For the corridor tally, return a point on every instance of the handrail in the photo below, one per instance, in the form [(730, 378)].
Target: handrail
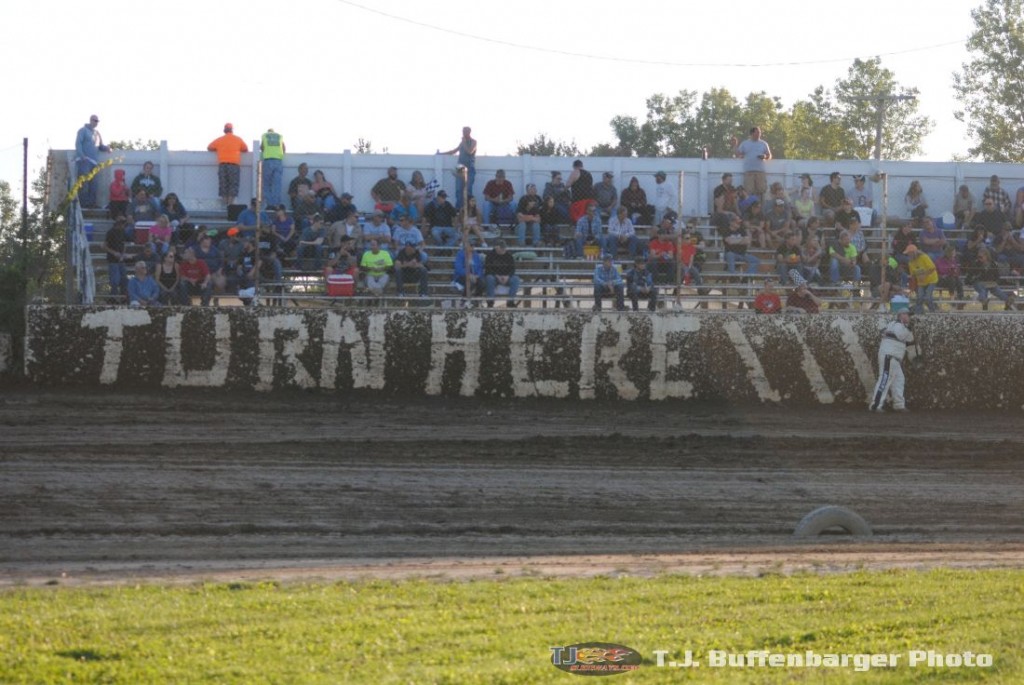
[(81, 258)]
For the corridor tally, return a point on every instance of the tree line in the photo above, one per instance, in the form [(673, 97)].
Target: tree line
[(838, 122)]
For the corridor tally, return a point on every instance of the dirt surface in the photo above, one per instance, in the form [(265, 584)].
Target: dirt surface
[(103, 486)]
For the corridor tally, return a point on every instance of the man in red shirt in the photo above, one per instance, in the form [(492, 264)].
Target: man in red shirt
[(768, 301), (498, 194), (194, 279), (229, 149)]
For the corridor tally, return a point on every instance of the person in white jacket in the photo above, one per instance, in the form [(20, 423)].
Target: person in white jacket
[(897, 343)]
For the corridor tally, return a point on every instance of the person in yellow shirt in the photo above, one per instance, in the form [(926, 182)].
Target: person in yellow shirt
[(375, 265), (922, 268), (229, 149)]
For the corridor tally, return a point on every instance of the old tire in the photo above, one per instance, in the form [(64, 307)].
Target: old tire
[(820, 520)]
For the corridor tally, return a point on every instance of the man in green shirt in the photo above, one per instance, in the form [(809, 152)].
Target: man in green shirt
[(843, 260), (375, 265)]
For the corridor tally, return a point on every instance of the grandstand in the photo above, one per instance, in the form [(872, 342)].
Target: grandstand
[(550, 280)]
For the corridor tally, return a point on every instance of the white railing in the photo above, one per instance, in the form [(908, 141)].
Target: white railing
[(193, 175), (81, 259)]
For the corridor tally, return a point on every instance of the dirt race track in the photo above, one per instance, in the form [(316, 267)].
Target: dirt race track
[(99, 486)]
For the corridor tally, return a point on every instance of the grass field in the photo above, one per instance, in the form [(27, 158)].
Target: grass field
[(501, 631)]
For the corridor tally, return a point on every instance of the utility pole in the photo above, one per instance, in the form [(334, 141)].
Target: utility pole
[(24, 212), (882, 100)]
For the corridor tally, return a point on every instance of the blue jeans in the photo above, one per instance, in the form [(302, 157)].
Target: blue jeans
[(467, 185), (752, 262), (186, 290), (272, 173), (651, 297), (491, 284), (581, 239), (617, 291), (444, 235), (925, 296), (834, 271), (314, 251), (984, 290), (402, 276), (87, 193), (117, 274), (611, 245), (495, 213), (534, 227)]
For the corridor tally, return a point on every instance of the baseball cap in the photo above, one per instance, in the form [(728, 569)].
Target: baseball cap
[(606, 257), (662, 174), (346, 196), (858, 177), (442, 193), (609, 174), (779, 201), (410, 243), (233, 231)]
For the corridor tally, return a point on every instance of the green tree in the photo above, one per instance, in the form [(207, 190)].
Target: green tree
[(634, 138), (857, 113), (10, 222), (717, 119), (813, 129), (31, 263), (137, 144), (990, 89), (827, 125), (542, 146)]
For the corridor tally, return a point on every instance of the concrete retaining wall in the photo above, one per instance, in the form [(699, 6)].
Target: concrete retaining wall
[(822, 359)]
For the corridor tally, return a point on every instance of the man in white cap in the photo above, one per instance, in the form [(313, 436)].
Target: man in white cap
[(88, 146), (897, 343)]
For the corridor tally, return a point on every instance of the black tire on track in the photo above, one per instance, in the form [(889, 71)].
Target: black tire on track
[(823, 518)]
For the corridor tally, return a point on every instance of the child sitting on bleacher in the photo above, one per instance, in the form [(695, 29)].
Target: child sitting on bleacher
[(119, 196)]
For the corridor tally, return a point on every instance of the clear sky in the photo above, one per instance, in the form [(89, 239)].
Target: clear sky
[(327, 72)]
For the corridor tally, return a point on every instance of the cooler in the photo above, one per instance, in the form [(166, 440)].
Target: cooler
[(341, 285), (141, 232)]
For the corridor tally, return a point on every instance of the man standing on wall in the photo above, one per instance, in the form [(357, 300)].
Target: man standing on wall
[(88, 145), (467, 158), (754, 152), (229, 149), (272, 153), (897, 342)]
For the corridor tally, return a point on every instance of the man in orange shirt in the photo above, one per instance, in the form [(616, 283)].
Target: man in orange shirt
[(229, 149)]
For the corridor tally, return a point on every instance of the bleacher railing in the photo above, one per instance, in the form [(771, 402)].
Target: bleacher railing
[(81, 259)]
